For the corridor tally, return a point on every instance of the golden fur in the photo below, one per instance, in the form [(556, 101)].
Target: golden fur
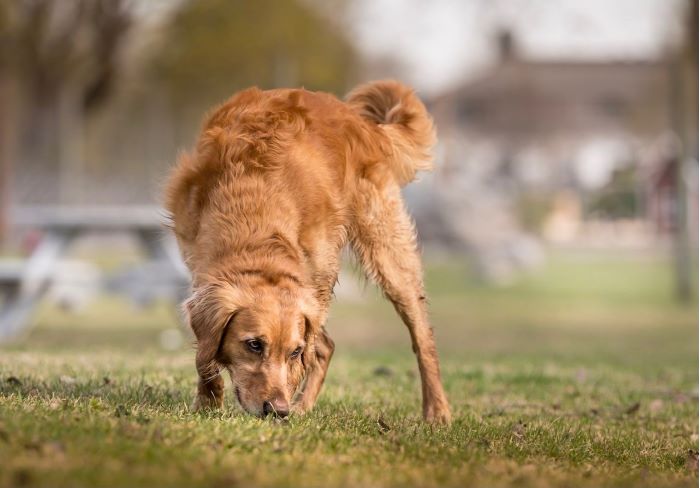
[(279, 183)]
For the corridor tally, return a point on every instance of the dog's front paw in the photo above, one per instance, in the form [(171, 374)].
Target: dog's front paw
[(298, 408), (437, 414), (207, 402)]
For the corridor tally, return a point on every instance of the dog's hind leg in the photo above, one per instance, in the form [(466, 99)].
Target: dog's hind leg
[(384, 241), (324, 347)]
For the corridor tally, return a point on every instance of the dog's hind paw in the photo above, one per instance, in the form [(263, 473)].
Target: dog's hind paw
[(438, 415)]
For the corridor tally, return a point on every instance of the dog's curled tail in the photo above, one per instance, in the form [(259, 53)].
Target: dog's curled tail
[(399, 113)]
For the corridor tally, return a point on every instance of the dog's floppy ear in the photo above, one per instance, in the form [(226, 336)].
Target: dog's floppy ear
[(209, 311)]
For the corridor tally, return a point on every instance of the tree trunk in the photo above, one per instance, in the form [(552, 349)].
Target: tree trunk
[(8, 138)]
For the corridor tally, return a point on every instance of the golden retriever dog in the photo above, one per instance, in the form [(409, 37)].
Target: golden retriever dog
[(279, 182)]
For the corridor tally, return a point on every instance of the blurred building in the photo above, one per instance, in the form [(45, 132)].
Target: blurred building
[(547, 147)]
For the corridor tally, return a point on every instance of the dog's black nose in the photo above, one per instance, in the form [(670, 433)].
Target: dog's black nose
[(278, 408)]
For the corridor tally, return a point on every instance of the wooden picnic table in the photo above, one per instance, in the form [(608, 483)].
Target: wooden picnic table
[(23, 283)]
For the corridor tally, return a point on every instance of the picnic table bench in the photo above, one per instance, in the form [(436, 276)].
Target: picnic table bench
[(24, 282)]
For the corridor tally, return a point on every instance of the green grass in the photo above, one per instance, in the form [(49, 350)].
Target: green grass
[(584, 374)]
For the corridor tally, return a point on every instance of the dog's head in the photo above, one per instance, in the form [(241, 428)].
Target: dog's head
[(262, 334)]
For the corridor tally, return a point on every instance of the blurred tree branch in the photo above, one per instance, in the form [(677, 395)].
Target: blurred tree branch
[(50, 43), (58, 62), (212, 48)]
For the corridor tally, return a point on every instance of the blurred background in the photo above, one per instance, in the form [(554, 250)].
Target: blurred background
[(563, 207)]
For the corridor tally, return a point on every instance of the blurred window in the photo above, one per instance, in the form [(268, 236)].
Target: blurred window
[(612, 105), (469, 110)]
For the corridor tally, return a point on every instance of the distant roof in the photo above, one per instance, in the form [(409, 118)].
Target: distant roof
[(551, 79), (521, 99)]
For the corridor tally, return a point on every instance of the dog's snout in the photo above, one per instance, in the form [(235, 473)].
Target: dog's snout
[(278, 408)]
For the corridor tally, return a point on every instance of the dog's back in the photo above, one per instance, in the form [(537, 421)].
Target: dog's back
[(286, 163)]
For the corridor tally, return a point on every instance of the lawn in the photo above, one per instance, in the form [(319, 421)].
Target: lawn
[(583, 374)]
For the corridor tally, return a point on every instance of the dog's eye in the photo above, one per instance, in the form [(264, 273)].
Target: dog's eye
[(255, 345), (295, 353)]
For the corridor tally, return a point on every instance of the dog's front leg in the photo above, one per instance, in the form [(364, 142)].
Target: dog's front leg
[(210, 390), (306, 399)]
